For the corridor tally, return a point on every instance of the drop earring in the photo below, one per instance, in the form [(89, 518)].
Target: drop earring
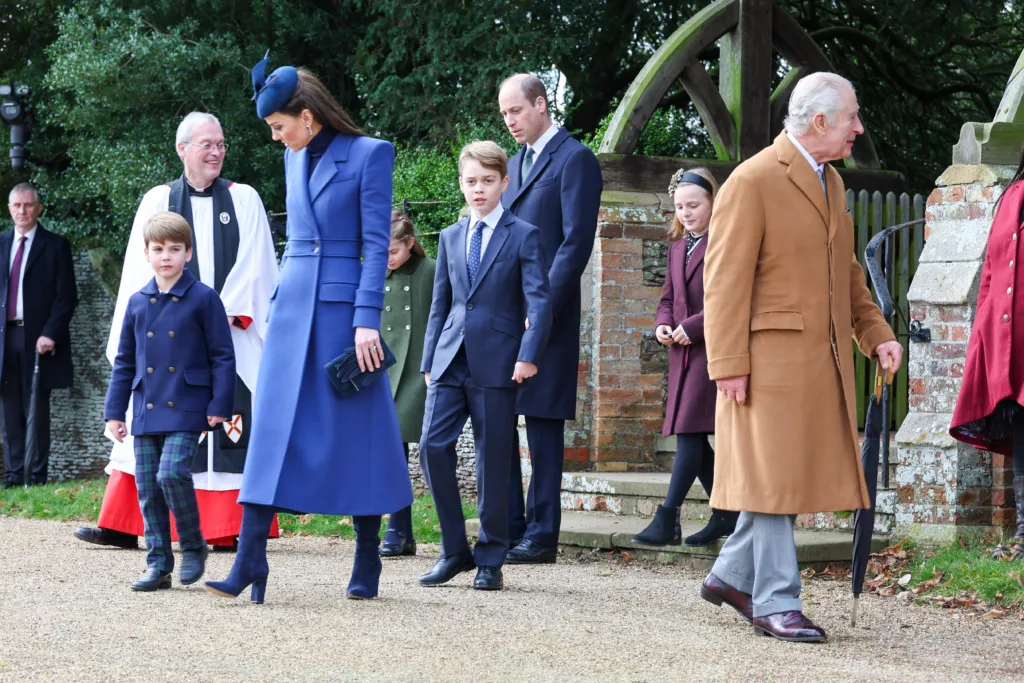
[(309, 130)]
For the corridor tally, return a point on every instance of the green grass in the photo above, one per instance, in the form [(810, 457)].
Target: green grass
[(81, 500), (971, 570)]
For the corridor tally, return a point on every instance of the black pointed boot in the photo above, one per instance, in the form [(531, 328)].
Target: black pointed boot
[(664, 529), (721, 524)]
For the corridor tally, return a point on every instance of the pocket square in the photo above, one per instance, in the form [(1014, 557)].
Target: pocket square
[(346, 376)]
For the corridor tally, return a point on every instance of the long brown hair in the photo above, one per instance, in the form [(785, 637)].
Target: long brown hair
[(676, 231), (402, 230), (311, 94)]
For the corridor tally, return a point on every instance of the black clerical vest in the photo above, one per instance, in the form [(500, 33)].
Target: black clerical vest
[(225, 236)]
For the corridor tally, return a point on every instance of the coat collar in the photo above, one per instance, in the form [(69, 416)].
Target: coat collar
[(183, 284), (494, 245), (696, 257), (516, 187), (39, 242), (804, 177)]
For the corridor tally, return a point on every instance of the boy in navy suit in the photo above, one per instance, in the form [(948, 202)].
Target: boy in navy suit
[(176, 363), (489, 321)]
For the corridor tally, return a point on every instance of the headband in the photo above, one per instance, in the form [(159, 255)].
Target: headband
[(698, 180)]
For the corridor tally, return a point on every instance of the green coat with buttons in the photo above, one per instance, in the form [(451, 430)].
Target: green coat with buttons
[(403, 324)]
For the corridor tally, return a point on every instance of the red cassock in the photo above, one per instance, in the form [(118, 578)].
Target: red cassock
[(994, 372)]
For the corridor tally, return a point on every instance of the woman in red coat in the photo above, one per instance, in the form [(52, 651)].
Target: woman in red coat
[(690, 413), (988, 412)]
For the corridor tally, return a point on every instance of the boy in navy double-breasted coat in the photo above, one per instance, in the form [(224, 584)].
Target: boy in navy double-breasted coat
[(176, 363)]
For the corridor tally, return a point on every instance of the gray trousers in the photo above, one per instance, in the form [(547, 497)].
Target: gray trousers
[(759, 558)]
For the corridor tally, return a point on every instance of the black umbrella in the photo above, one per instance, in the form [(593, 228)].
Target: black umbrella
[(31, 442), (864, 520)]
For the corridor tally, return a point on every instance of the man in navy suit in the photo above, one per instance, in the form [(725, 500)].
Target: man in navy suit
[(488, 325), (555, 184), (38, 297)]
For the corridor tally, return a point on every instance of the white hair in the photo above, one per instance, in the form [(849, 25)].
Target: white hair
[(23, 187), (189, 123), (819, 93)]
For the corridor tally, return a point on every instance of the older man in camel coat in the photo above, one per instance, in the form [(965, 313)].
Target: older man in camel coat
[(784, 294)]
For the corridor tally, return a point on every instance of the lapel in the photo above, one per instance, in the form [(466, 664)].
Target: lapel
[(298, 191), (497, 240), (542, 161), (696, 258), (802, 175), (458, 257), (336, 152), (836, 200), (6, 240), (38, 245), (515, 177)]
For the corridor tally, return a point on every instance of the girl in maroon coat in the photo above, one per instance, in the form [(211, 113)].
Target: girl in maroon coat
[(690, 413), (988, 412)]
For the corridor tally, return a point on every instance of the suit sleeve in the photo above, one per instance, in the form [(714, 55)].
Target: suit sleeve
[(665, 315), (869, 326), (581, 199), (375, 215), (440, 306), (123, 373), (537, 293), (734, 243), (58, 324), (221, 352)]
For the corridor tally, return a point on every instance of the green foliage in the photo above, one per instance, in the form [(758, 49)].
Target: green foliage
[(671, 132), (968, 568)]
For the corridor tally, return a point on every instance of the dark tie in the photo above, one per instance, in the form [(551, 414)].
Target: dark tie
[(475, 242), (821, 179), (527, 163), (14, 282)]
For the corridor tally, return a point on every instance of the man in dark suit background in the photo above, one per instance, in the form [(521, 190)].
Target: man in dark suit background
[(555, 184), (39, 298)]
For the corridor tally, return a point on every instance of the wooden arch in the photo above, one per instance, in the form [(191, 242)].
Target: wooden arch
[(742, 115)]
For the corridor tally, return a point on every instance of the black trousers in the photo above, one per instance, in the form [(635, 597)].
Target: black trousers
[(15, 394)]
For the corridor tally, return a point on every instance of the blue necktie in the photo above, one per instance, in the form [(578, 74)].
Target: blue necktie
[(475, 243)]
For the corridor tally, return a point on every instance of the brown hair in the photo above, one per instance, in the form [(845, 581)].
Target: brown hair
[(311, 94), (676, 231), (531, 86), (167, 227), (402, 230), (487, 154)]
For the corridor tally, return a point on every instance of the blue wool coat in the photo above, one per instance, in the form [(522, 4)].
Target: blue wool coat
[(311, 449), (175, 360)]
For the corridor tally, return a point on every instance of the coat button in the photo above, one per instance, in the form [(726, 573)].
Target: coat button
[(406, 288), (389, 328), (387, 308), (149, 406), (170, 369), (469, 307), (170, 404), (1009, 290), (1006, 317), (388, 288), (1011, 264), (170, 334), (149, 334), (175, 299), (1014, 237), (149, 370), (408, 327), (152, 299), (407, 307)]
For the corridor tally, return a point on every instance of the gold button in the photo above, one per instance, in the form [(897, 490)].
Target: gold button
[(408, 327), (407, 288), (175, 299), (170, 404), (170, 369), (149, 370), (152, 299), (389, 328), (407, 307), (387, 308), (1006, 317), (170, 334), (149, 334), (149, 406), (388, 288)]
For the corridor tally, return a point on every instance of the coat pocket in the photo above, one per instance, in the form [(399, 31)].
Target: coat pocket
[(777, 320), (198, 391), (344, 292), (509, 327), (448, 323)]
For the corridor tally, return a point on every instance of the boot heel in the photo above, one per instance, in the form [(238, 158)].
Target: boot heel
[(259, 587), (710, 597)]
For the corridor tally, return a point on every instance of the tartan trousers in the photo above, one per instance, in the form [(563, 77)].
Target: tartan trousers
[(164, 479)]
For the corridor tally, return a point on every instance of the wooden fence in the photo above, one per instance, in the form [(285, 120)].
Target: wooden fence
[(872, 213)]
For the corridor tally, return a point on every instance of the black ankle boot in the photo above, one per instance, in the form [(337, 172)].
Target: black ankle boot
[(722, 523), (664, 529)]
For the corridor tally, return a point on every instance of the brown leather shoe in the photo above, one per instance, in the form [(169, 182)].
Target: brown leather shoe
[(716, 591), (793, 627)]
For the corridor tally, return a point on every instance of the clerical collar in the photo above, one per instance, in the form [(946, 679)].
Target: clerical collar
[(194, 191)]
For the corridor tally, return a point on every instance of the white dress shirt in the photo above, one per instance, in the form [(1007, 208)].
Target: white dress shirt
[(30, 236), (491, 220), (542, 142), (819, 169)]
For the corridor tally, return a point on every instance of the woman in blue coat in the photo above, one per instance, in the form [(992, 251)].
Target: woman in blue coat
[(312, 449)]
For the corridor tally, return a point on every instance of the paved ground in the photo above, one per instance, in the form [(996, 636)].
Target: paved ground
[(68, 616)]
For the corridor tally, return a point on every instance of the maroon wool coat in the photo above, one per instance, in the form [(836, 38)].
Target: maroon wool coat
[(691, 395), (994, 370)]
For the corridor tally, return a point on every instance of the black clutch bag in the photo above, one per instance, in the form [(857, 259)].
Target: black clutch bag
[(346, 376)]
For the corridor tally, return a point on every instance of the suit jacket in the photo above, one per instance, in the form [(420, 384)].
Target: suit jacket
[(511, 286), (783, 296), (50, 296), (690, 407), (175, 360), (561, 197)]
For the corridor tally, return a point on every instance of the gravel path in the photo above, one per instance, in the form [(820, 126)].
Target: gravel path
[(68, 616)]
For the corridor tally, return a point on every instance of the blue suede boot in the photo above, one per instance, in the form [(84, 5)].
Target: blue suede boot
[(367, 565), (398, 540), (250, 567)]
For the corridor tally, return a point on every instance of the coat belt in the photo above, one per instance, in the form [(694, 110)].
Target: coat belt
[(327, 248)]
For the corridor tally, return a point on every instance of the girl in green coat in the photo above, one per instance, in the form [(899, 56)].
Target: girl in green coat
[(408, 289)]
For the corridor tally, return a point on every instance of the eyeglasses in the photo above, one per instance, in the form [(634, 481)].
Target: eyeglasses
[(207, 146)]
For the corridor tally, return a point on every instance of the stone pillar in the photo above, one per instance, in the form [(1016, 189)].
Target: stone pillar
[(944, 487)]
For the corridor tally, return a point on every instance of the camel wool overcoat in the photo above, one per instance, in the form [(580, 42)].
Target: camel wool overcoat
[(784, 294)]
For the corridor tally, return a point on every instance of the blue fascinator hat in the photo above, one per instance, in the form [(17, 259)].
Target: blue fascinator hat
[(272, 92)]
